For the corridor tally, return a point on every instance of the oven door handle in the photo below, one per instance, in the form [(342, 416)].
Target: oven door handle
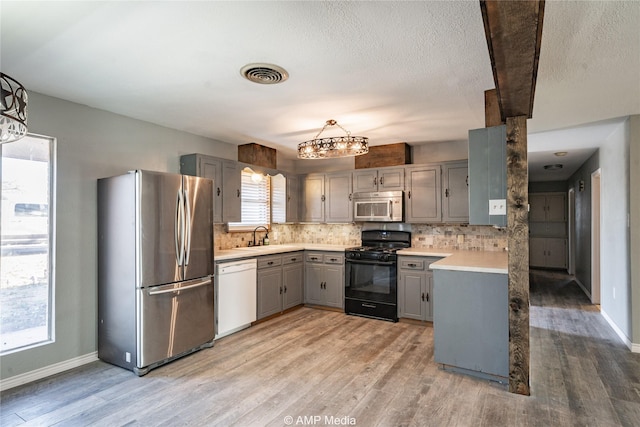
[(373, 262)]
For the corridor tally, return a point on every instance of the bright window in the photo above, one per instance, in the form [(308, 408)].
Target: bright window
[(26, 280), (256, 210)]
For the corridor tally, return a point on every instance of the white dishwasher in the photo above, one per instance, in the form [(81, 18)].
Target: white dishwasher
[(235, 296)]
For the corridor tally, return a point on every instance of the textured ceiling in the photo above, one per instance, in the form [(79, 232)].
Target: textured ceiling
[(410, 72)]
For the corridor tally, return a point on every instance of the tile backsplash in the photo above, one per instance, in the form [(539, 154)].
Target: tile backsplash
[(441, 236)]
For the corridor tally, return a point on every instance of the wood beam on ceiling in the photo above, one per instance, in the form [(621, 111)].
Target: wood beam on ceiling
[(514, 31)]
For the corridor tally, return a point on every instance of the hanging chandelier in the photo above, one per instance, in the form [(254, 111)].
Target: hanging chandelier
[(13, 114), (335, 146)]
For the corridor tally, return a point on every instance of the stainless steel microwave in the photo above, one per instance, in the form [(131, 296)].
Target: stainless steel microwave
[(383, 206)]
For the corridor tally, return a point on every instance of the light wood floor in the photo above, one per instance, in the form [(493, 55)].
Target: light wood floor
[(320, 363)]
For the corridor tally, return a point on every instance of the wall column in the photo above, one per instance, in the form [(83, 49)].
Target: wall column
[(518, 243)]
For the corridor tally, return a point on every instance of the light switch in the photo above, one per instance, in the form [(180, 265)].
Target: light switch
[(498, 207)]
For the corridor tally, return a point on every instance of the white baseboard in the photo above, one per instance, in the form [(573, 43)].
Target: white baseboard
[(47, 371), (619, 332), (635, 347)]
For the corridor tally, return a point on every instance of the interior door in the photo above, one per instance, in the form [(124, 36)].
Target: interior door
[(199, 244), (157, 209)]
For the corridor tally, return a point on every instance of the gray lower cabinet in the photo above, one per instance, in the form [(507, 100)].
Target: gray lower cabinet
[(280, 283), (292, 279), (269, 285), (471, 323), (324, 279), (415, 287), (549, 252)]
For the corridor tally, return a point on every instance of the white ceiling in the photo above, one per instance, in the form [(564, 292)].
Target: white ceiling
[(397, 71)]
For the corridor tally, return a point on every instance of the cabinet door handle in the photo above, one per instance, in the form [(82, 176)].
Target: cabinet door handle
[(423, 296), (280, 290), (467, 180), (313, 258), (446, 192), (409, 193), (237, 193), (412, 265), (294, 259), (375, 180), (288, 198), (218, 191), (270, 263), (322, 198), (334, 259), (350, 197), (427, 296), (382, 180)]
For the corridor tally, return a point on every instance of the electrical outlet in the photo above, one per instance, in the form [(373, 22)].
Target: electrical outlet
[(498, 207)]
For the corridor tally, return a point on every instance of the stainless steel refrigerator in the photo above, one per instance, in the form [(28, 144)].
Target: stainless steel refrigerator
[(155, 268)]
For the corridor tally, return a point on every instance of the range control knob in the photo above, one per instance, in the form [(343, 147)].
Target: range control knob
[(384, 257)]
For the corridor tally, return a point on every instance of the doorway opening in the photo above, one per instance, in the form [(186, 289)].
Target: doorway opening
[(572, 232), (595, 236)]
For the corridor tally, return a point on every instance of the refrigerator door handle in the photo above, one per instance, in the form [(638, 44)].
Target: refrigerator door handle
[(184, 288), (179, 228), (187, 220)]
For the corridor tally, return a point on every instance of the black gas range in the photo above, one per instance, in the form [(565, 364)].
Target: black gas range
[(371, 271)]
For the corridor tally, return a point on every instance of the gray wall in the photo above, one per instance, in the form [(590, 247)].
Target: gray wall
[(548, 187), (614, 248), (619, 160), (91, 144), (634, 234), (583, 219)]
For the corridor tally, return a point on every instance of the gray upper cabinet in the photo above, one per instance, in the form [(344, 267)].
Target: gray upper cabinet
[(293, 198), (313, 198), (226, 176), (338, 197), (327, 197), (232, 191), (285, 198), (423, 194), (548, 207), (455, 192), (487, 174), (548, 230), (384, 179)]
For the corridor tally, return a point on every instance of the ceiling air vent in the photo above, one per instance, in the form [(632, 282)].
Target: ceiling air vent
[(266, 74)]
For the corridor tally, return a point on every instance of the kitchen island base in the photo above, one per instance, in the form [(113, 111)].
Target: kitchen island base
[(471, 323)]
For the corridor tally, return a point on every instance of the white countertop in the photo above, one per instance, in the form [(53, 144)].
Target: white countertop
[(458, 260), (252, 251)]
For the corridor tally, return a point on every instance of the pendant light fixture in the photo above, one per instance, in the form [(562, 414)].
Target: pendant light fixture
[(13, 114), (335, 146)]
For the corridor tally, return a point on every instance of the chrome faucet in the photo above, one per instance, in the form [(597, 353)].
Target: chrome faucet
[(266, 236)]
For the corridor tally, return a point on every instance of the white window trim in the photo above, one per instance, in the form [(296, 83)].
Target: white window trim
[(234, 227), (51, 315)]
